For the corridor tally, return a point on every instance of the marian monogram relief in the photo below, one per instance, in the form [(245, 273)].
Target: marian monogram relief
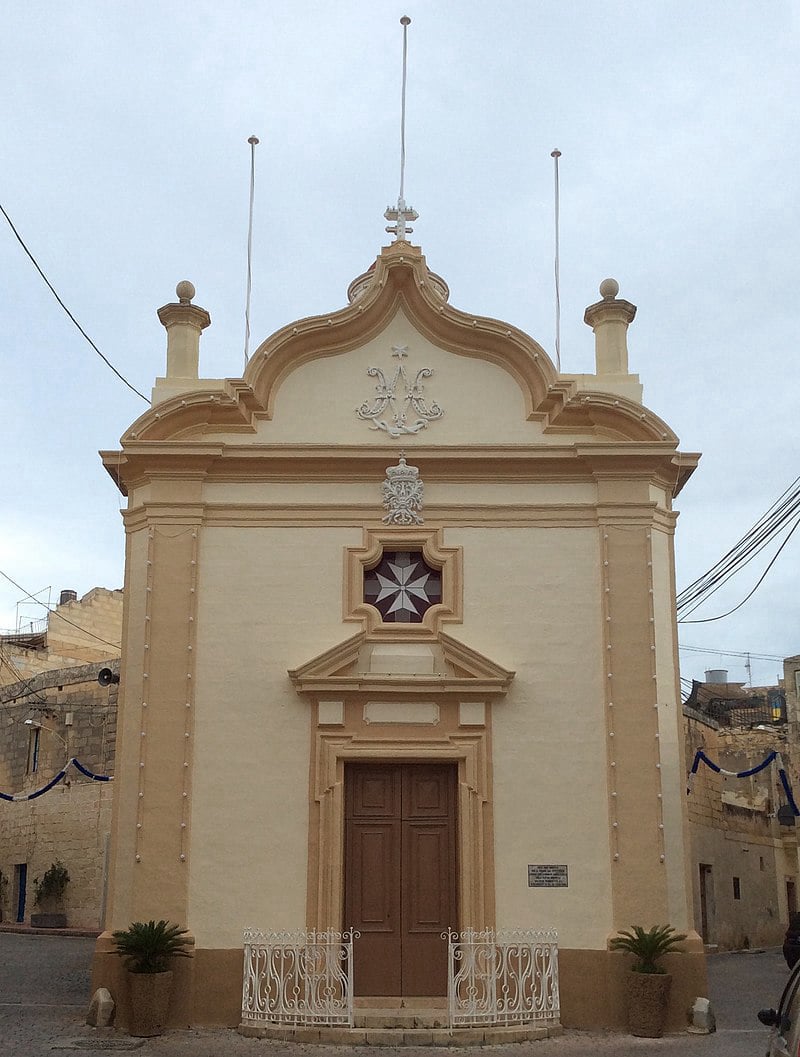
[(399, 401)]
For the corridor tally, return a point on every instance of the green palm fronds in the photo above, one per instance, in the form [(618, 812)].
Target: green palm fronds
[(147, 946), (648, 947)]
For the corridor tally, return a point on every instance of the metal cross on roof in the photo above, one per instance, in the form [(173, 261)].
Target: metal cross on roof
[(401, 215)]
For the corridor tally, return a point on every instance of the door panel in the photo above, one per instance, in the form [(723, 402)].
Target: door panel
[(372, 866), (429, 899), (400, 875)]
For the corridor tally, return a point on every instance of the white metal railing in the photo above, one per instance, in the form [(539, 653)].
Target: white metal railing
[(503, 976), (298, 978)]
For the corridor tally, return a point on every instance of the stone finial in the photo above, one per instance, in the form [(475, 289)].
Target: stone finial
[(609, 319), (185, 291), (184, 323)]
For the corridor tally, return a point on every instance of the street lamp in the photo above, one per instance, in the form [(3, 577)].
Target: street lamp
[(35, 725)]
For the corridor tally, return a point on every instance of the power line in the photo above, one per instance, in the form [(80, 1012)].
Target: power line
[(708, 620), (767, 525), (785, 511), (52, 289), (733, 653)]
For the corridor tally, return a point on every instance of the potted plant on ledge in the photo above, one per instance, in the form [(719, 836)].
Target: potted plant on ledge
[(148, 947), (649, 983), (50, 896)]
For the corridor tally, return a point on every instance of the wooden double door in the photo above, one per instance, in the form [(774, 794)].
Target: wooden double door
[(400, 874)]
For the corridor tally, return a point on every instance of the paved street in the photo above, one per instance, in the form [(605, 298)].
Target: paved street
[(44, 984)]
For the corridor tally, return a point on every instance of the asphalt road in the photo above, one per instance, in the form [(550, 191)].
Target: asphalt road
[(44, 984)]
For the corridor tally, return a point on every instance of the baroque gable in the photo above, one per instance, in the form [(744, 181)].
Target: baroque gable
[(397, 298)]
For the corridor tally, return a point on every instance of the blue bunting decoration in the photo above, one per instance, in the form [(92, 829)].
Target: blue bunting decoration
[(21, 797), (772, 757)]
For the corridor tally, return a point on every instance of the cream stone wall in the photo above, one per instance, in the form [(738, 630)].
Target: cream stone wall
[(269, 600), (264, 494), (532, 599)]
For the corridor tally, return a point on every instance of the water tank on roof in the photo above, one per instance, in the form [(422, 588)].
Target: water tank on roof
[(67, 596), (717, 675)]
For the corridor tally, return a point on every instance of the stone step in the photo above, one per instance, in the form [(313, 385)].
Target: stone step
[(467, 1036), (403, 1017)]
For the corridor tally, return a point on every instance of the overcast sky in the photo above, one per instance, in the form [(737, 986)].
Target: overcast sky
[(123, 149)]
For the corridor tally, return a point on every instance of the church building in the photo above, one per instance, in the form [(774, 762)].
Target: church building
[(399, 660)]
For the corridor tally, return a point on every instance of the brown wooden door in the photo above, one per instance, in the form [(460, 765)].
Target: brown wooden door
[(400, 875)]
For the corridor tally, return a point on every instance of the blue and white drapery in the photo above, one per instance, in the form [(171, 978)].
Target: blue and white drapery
[(773, 757), (19, 797)]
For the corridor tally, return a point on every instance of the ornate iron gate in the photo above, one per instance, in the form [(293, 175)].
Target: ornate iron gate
[(502, 977), (298, 978)]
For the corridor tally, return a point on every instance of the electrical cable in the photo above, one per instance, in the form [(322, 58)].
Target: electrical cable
[(708, 620), (768, 525), (688, 606), (775, 520), (52, 289), (721, 579), (733, 653)]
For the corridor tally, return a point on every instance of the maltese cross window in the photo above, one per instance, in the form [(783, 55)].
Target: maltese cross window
[(402, 587)]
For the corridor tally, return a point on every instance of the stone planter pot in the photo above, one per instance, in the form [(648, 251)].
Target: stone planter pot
[(150, 994), (648, 1002), (48, 921)]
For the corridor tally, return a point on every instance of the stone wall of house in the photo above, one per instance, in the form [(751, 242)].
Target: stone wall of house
[(75, 717), (744, 862), (73, 633)]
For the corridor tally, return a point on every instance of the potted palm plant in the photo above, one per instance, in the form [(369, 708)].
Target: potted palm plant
[(649, 983), (50, 897), (148, 948)]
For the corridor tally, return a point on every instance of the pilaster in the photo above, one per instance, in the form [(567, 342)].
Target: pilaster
[(636, 825)]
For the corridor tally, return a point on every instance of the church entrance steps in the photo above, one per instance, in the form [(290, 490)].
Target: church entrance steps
[(403, 1036), (409, 1016)]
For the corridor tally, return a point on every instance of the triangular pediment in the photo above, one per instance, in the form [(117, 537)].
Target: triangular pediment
[(441, 666)]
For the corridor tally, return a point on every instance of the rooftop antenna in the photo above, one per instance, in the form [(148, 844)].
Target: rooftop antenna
[(555, 155), (253, 140), (402, 213)]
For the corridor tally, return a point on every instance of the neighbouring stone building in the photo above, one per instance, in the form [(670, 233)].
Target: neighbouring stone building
[(348, 701), (743, 829), (53, 712), (75, 632)]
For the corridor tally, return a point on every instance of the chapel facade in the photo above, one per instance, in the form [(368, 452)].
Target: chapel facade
[(400, 651)]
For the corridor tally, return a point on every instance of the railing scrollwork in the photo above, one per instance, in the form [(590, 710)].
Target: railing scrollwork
[(502, 977), (298, 978)]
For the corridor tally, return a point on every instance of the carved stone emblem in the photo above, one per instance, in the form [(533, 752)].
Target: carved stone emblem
[(401, 398), (402, 494)]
